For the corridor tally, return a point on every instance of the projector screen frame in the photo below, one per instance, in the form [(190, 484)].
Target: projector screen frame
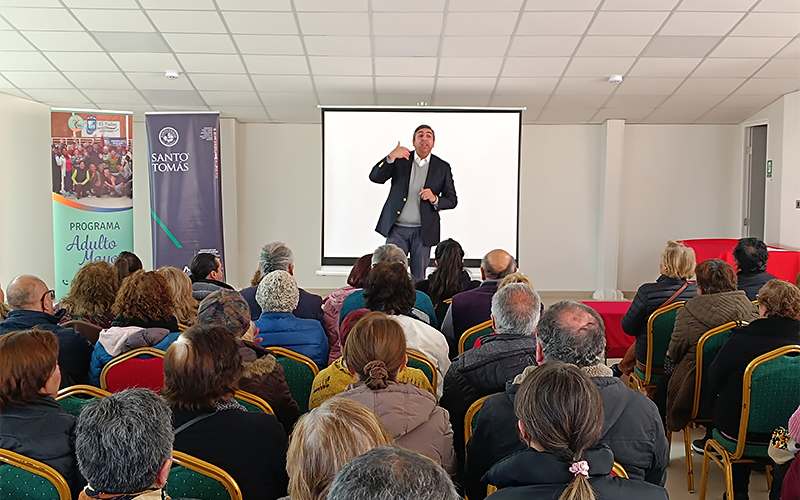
[(469, 263)]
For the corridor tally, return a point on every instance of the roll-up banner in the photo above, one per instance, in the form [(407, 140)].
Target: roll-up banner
[(185, 187), (92, 169)]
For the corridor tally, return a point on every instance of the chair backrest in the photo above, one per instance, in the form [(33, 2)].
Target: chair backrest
[(75, 397), (769, 393), (659, 332), (618, 470), (299, 371), (707, 348), (191, 477), (22, 478), (253, 402), (471, 418), (468, 338), (421, 362), (130, 370)]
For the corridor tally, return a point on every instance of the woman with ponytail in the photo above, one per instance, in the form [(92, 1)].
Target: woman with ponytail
[(561, 419), (375, 352), (448, 279)]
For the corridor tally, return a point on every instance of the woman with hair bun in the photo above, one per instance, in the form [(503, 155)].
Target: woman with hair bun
[(375, 352)]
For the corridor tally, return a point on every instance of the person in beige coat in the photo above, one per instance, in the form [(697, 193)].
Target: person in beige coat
[(375, 352), (717, 302)]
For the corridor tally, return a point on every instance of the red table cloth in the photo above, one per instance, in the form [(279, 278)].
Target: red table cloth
[(783, 264), (612, 312)]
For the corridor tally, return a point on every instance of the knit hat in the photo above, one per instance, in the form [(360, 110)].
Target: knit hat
[(278, 292), (225, 308), (794, 425)]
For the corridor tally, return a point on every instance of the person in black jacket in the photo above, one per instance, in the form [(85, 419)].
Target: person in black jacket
[(448, 279), (750, 260), (560, 417), (779, 325)]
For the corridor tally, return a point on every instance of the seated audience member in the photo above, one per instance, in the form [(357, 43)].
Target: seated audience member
[(778, 325), (717, 302), (391, 473), (783, 450), (91, 294), (261, 373), (145, 318), (375, 352), (180, 287), (486, 369), (201, 374), (448, 279), (571, 332), (32, 423), (390, 289), (207, 275), (517, 277), (391, 254), (336, 377), (277, 326), (127, 263), (278, 256), (677, 268), (473, 307), (324, 440), (32, 306), (4, 308), (750, 260), (332, 304), (124, 446), (561, 419)]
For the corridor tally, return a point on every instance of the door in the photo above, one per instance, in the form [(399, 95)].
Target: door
[(756, 181)]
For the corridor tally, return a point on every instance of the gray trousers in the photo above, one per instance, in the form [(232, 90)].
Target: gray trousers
[(410, 240)]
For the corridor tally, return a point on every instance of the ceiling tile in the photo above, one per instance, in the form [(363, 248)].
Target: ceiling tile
[(342, 66), (406, 46), (664, 66), (723, 67), (131, 42), (404, 84), (544, 45), (16, 93), (328, 6), (260, 23), (346, 99), (337, 45), (701, 23), (204, 44), (648, 86), (461, 100), (732, 116), (288, 98), (314, 23), (741, 46), (178, 4), (639, 5), (627, 23), (634, 101), (62, 40), (526, 86), (477, 23), (343, 83), (482, 5), (791, 51), (566, 115), (630, 115), (408, 6), (682, 115), (298, 114), (535, 66), (208, 81), (748, 101), (23, 61), (81, 61), (146, 63), (576, 101), (402, 99), (255, 5), (706, 86), (470, 66), (102, 20), (282, 83), (178, 107), (92, 80), (562, 5), (30, 3), (41, 19), (269, 44), (405, 66), (612, 46), (772, 23), (584, 86), (692, 101), (187, 21), (532, 102), (276, 65), (212, 63), (228, 98), (553, 23), (780, 68), (119, 97), (251, 113), (11, 40), (5, 26), (56, 95), (716, 5), (778, 6), (157, 81), (599, 66), (680, 46), (474, 46), (408, 24), (5, 84), (173, 97), (769, 86), (471, 86)]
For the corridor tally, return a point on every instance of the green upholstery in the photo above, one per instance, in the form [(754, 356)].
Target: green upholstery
[(19, 484), (186, 483), (299, 376), (423, 367), (710, 349), (474, 421), (663, 324), (469, 343), (249, 406), (750, 450), (75, 403)]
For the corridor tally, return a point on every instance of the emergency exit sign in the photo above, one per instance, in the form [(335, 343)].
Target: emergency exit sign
[(769, 169)]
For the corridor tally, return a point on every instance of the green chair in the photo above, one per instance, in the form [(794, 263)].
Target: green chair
[(75, 397), (659, 333), (299, 371), (22, 478), (252, 402), (421, 362), (471, 418), (770, 395), (191, 477), (468, 338)]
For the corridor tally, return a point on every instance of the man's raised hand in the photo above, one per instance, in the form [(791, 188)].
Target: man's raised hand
[(399, 152)]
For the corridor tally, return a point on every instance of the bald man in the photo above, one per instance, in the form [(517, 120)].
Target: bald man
[(474, 307), (31, 303)]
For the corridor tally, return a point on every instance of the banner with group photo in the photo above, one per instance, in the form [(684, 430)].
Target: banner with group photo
[(185, 187), (92, 169)]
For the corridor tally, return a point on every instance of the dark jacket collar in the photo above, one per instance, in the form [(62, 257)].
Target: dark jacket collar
[(170, 324), (33, 317), (664, 278), (220, 284), (529, 467)]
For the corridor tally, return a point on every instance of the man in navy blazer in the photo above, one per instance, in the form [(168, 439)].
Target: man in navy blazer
[(422, 184)]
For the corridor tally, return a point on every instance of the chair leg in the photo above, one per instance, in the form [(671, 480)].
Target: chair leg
[(687, 444), (728, 477), (704, 475)]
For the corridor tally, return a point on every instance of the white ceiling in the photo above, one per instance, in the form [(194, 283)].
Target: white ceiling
[(684, 61)]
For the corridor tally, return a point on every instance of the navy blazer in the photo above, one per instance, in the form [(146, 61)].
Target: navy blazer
[(439, 180)]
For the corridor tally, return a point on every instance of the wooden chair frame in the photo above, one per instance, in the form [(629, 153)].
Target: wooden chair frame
[(38, 468), (714, 448), (286, 353), (470, 331), (82, 389), (619, 470), (254, 400), (140, 351), (418, 356), (210, 470), (471, 411), (634, 381)]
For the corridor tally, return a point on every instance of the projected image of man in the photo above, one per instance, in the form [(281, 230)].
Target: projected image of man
[(422, 185)]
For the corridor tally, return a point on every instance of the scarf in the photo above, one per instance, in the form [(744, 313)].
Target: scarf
[(598, 370)]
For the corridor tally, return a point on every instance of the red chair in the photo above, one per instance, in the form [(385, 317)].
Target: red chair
[(142, 367)]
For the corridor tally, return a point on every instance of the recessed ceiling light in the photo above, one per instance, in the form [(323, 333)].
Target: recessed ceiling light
[(615, 79), (171, 74)]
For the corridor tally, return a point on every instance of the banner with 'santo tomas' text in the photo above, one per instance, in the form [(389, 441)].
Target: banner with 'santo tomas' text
[(92, 178), (185, 187)]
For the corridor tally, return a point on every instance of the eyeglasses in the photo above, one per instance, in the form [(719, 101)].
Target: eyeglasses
[(51, 293)]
